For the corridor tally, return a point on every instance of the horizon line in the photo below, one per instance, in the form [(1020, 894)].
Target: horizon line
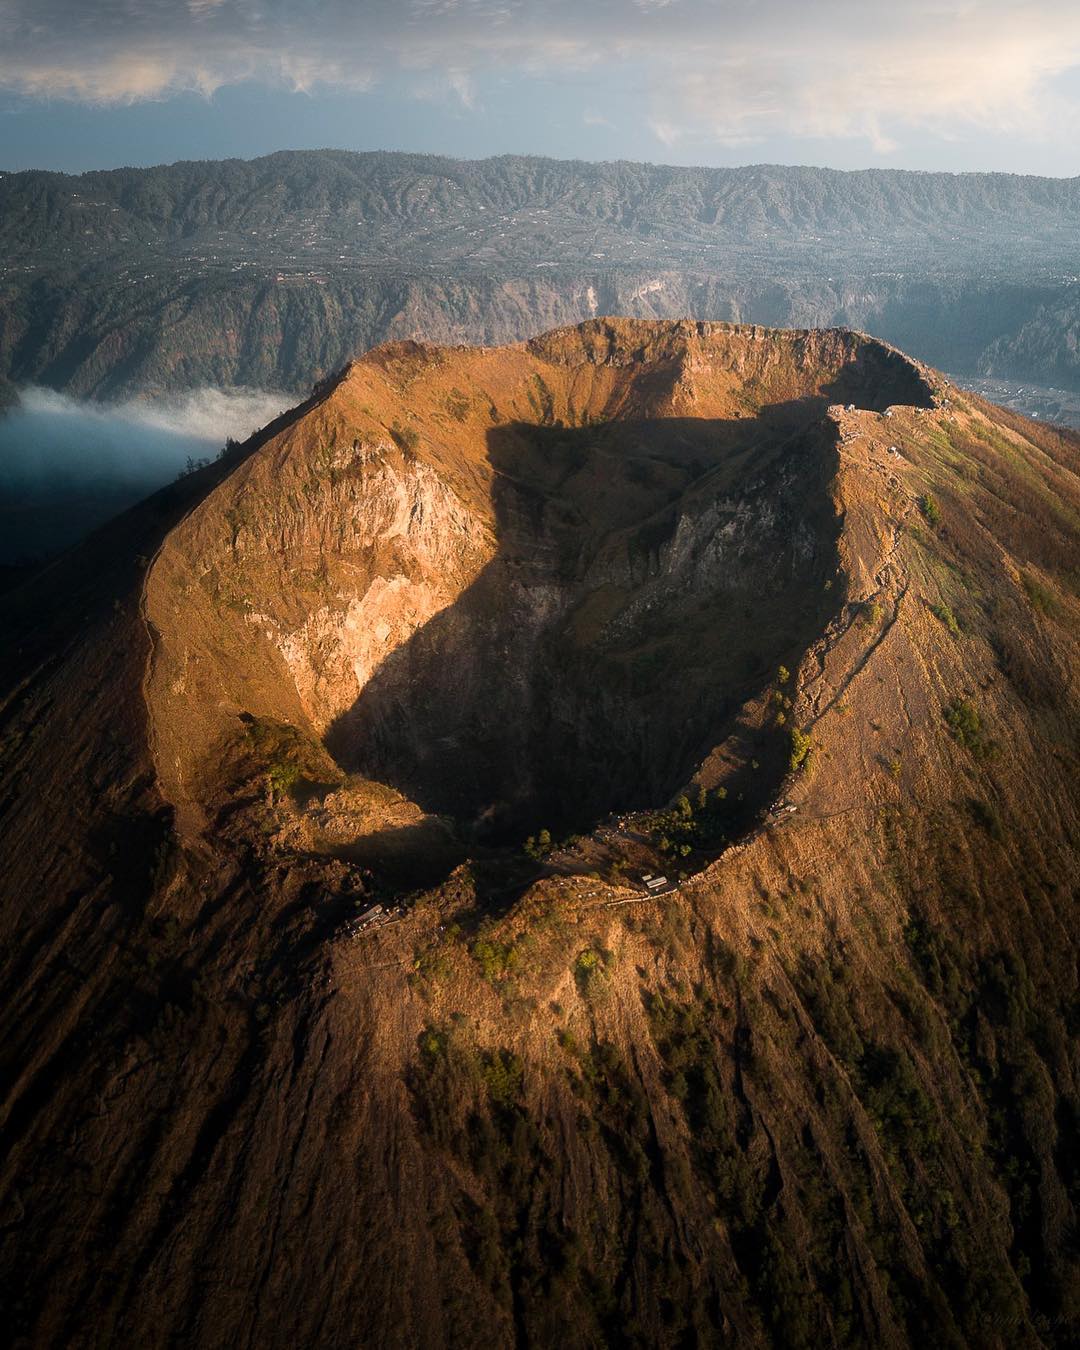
[(550, 159)]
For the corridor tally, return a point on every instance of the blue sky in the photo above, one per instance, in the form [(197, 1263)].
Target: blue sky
[(934, 84)]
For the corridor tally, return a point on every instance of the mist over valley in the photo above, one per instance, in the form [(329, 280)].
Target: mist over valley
[(69, 464)]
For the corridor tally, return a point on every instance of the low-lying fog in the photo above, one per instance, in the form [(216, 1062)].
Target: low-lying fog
[(67, 465)]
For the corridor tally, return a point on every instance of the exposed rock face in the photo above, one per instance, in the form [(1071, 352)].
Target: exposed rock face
[(485, 573), (826, 1092)]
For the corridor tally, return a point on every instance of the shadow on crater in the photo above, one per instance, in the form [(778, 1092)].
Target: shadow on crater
[(649, 577)]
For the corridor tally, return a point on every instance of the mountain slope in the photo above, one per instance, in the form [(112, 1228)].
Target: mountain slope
[(824, 1091), (335, 190), (274, 272)]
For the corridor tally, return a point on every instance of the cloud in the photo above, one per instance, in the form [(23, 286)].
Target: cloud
[(50, 435), (941, 68), (731, 72), (67, 466)]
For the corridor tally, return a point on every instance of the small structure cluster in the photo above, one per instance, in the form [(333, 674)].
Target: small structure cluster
[(376, 916)]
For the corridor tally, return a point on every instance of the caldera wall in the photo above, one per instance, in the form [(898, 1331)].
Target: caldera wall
[(518, 584)]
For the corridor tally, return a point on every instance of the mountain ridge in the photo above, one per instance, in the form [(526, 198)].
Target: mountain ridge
[(274, 272), (557, 177)]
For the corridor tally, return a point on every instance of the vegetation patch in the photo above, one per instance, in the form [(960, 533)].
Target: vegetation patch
[(946, 616), (801, 747), (283, 755), (497, 960), (539, 846), (931, 510), (590, 971), (1041, 599), (966, 726)]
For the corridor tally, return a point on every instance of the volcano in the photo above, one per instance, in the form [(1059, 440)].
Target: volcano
[(573, 841)]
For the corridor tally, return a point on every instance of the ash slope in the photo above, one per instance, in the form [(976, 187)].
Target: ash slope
[(827, 1091)]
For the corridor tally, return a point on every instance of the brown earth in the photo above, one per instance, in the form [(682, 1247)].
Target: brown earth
[(616, 581)]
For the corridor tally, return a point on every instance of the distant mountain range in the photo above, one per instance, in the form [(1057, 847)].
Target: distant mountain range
[(277, 270)]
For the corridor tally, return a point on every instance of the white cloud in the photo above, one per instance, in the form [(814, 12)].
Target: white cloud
[(49, 436), (728, 72), (937, 68), (67, 465)]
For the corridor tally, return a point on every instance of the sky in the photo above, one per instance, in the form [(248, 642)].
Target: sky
[(924, 84)]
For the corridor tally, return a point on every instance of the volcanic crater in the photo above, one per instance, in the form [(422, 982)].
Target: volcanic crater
[(266, 1085), (523, 587)]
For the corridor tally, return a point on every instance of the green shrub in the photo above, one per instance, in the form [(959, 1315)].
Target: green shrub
[(502, 1073), (679, 825), (1040, 598), (539, 846), (947, 617), (965, 724), (895, 1100), (800, 749), (589, 970), (283, 778), (930, 509), (431, 964), (496, 959), (432, 1043)]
